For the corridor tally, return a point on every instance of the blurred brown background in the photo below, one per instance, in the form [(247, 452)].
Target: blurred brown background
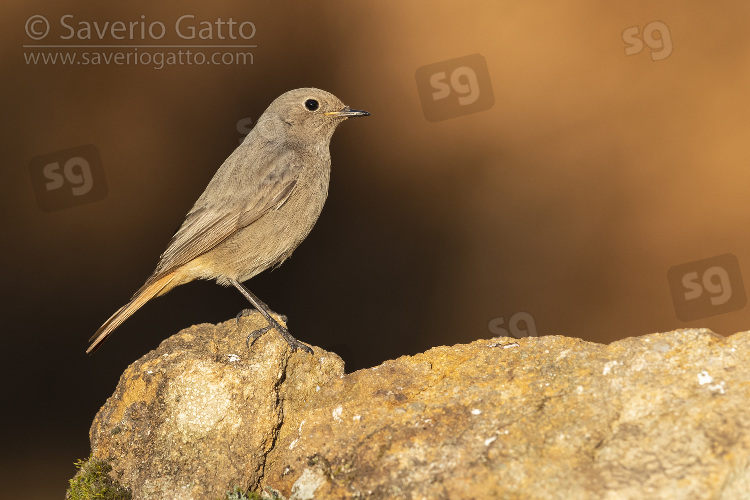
[(592, 174)]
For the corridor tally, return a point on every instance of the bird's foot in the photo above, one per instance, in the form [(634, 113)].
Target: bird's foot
[(256, 335), (293, 343)]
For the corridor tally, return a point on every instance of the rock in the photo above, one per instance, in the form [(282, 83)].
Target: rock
[(197, 416), (664, 416)]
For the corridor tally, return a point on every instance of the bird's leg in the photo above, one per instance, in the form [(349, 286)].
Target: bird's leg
[(262, 308)]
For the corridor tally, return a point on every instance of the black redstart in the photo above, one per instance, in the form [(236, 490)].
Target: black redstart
[(261, 203)]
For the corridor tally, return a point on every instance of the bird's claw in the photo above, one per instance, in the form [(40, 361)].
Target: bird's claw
[(255, 335), (293, 343)]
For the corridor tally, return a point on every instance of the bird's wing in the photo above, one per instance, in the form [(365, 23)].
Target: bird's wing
[(213, 219)]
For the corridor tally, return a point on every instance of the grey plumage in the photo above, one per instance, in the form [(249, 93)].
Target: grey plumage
[(259, 206)]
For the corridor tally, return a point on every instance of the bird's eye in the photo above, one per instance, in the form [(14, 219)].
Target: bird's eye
[(312, 104)]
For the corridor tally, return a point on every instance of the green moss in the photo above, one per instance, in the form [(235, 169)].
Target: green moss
[(93, 482), (343, 473), (239, 494)]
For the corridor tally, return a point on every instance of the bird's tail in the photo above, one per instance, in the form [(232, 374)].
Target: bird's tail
[(152, 288)]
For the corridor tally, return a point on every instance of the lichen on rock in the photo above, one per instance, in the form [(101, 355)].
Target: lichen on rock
[(661, 416)]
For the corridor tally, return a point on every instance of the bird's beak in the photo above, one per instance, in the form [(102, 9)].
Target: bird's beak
[(347, 112)]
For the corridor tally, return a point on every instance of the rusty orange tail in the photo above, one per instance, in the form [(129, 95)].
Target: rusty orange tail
[(151, 289)]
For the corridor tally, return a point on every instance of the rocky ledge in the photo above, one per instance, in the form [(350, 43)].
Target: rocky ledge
[(663, 416)]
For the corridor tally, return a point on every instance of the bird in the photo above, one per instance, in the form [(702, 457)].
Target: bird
[(258, 207)]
